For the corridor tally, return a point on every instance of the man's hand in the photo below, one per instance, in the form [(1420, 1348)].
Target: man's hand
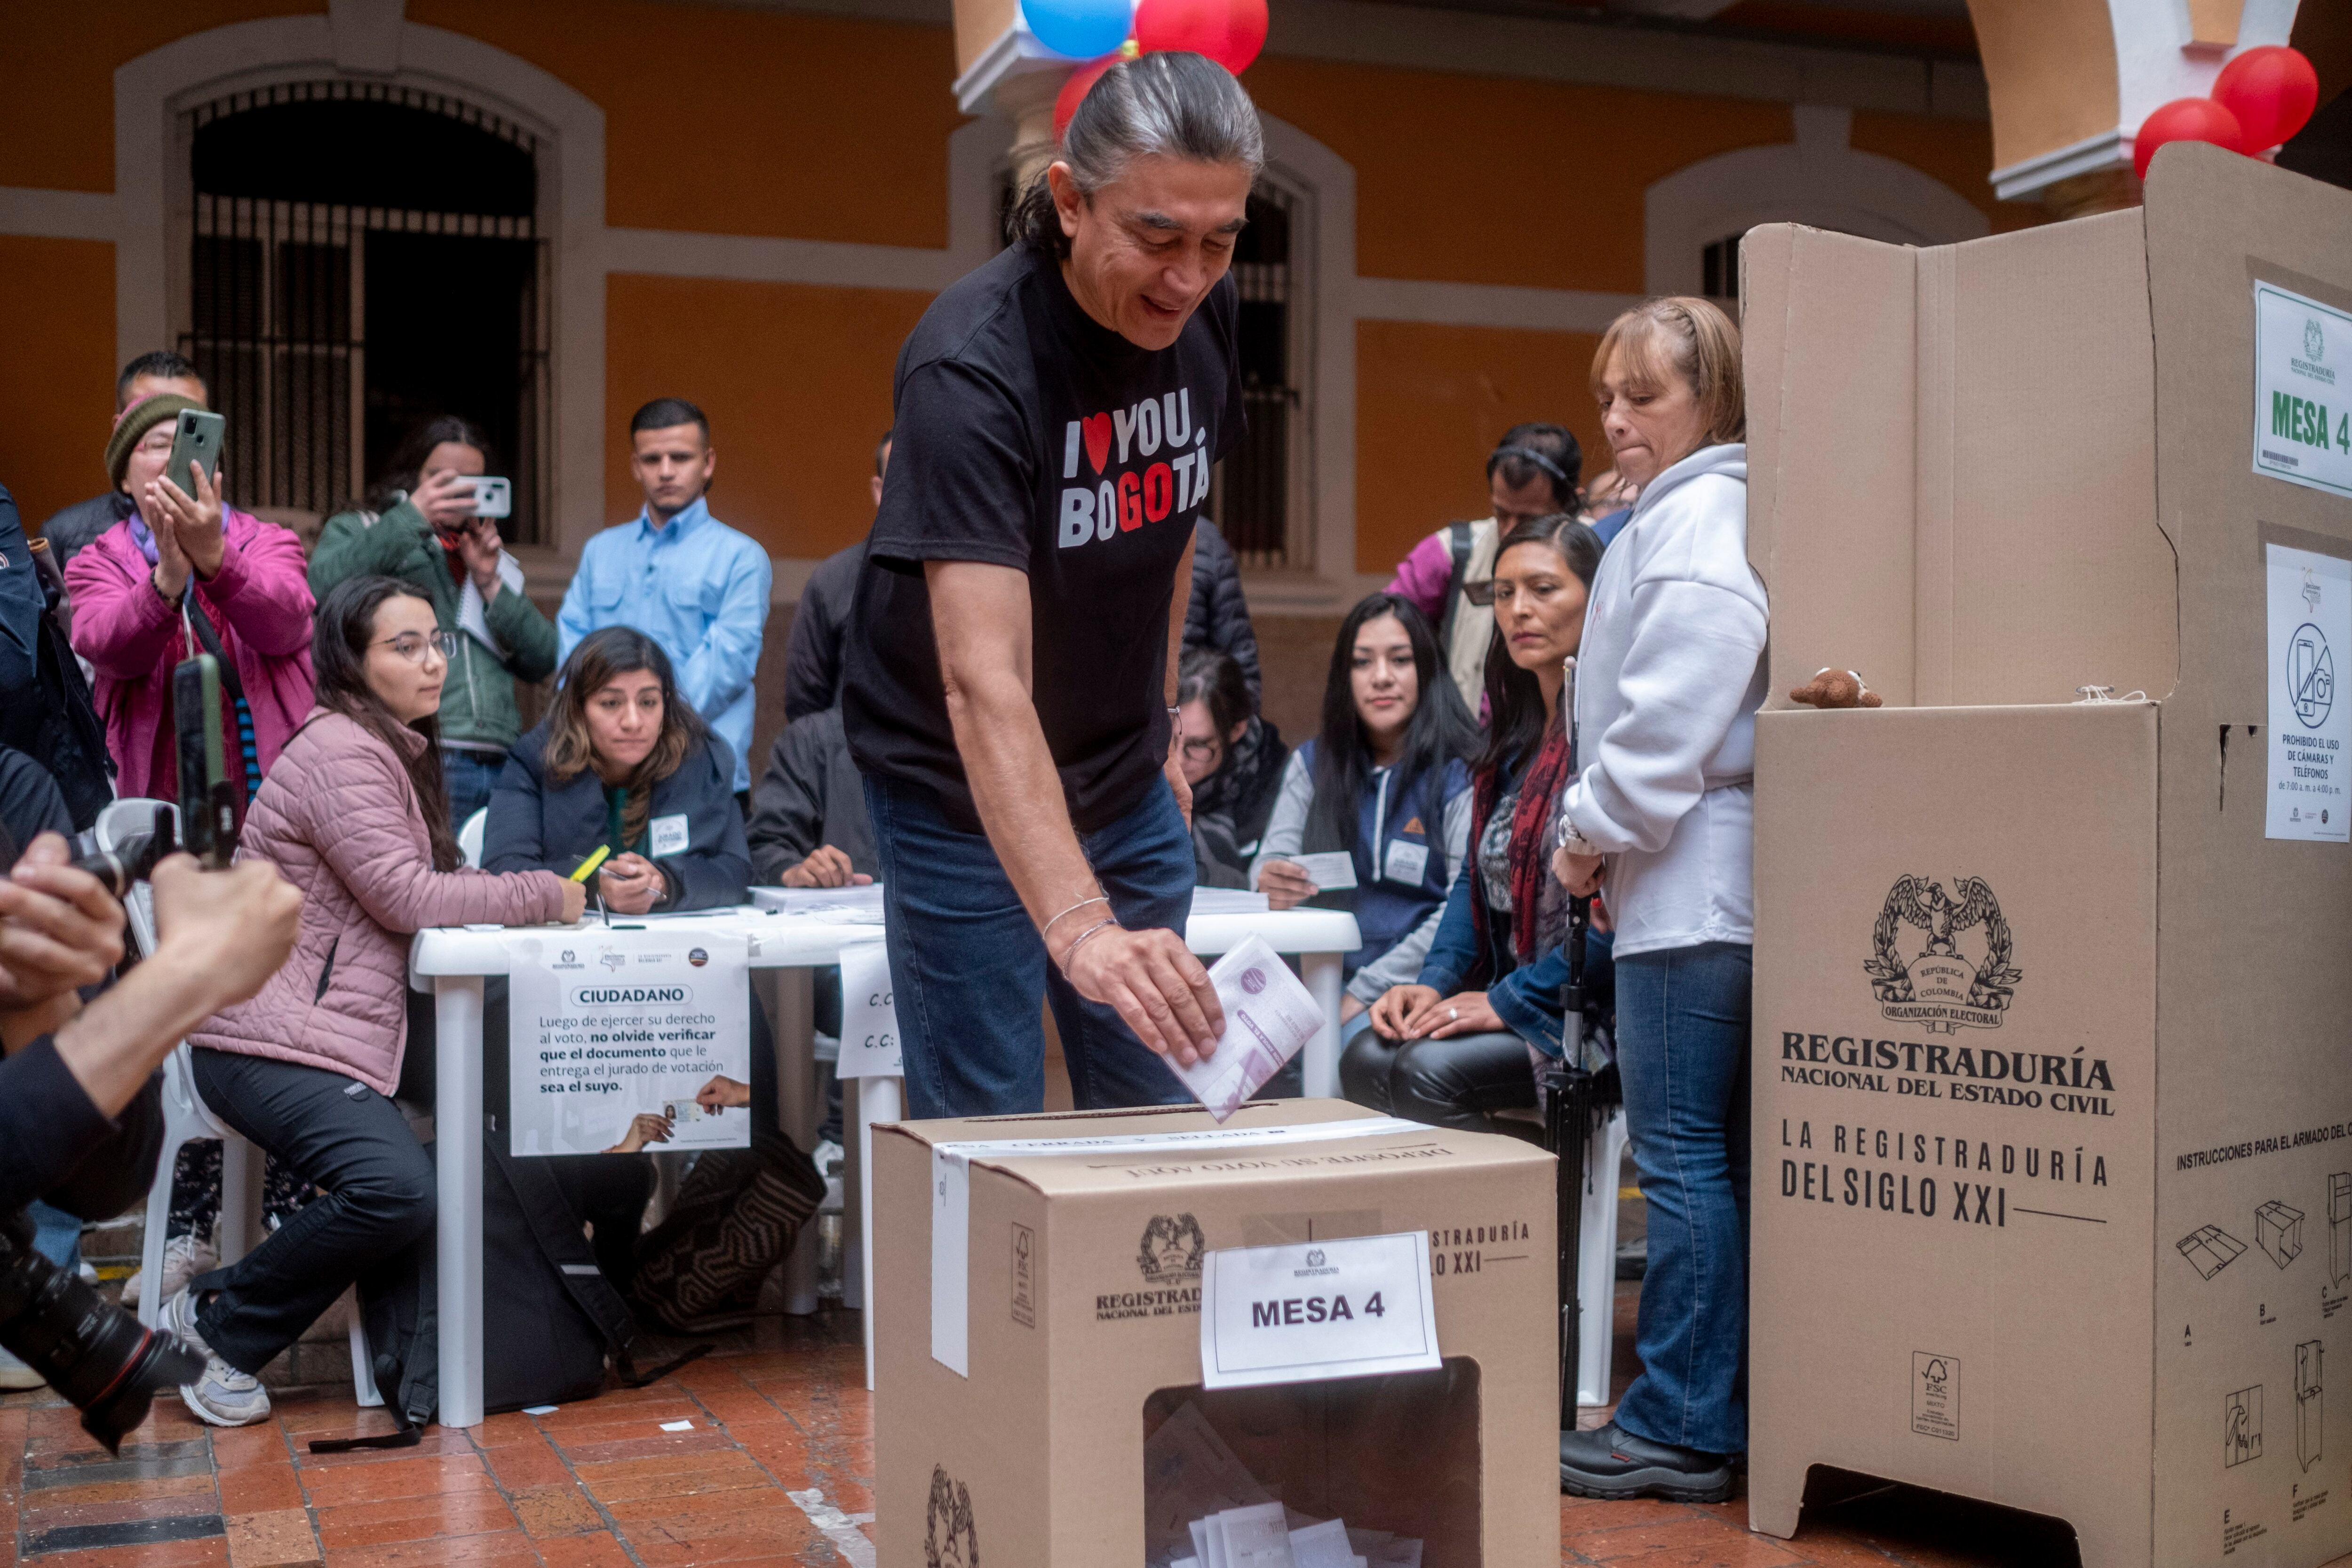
[(1174, 770), (1581, 875), (1285, 885), (630, 883), (825, 867), (1157, 987), (194, 514), (59, 928), (222, 933)]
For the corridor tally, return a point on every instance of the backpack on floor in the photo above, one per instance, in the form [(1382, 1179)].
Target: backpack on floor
[(737, 1215), (549, 1317)]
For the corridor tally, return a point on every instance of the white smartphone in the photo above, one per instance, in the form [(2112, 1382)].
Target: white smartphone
[(493, 496)]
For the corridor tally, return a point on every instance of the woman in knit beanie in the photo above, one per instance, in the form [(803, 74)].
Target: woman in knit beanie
[(186, 573)]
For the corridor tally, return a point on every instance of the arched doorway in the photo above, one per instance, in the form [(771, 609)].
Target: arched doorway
[(363, 256)]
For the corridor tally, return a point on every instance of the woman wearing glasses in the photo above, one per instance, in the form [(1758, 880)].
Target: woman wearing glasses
[(355, 814), (1231, 759)]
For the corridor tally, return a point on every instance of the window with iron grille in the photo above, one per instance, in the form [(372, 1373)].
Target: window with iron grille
[(364, 257), (1719, 269), (1259, 494)]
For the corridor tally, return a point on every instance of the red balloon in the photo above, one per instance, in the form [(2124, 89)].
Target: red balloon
[(2185, 119), (1230, 32), (1080, 82), (2271, 90)]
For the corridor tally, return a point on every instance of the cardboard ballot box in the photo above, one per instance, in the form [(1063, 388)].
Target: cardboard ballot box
[(1028, 1356), (2053, 997)]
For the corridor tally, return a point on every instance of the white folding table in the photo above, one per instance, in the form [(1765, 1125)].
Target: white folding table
[(453, 962)]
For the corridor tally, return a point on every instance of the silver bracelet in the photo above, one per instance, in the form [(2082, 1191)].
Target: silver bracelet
[(1081, 903), (1079, 941)]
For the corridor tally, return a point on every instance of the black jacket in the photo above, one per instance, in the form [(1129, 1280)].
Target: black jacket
[(535, 826), (75, 527), (1217, 615), (45, 705), (810, 795), (813, 656)]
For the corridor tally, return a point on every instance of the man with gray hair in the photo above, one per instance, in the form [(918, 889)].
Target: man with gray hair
[(1011, 673)]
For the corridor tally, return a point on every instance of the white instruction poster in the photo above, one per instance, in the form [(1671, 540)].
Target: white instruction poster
[(2302, 391), (2310, 599), (605, 1026), (869, 1019)]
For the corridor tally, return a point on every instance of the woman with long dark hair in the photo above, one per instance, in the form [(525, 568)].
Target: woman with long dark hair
[(353, 814), (622, 762), (1233, 760), (1454, 1046), (419, 525), (1386, 781)]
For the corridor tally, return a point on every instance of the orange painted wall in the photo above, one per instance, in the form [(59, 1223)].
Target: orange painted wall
[(1430, 403), (56, 79), (1956, 152), (722, 120), (796, 382), (56, 398), (1491, 180)]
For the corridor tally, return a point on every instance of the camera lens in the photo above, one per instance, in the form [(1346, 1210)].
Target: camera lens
[(93, 1352)]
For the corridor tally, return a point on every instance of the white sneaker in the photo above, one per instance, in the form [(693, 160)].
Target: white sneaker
[(185, 1257), (221, 1394), (15, 1375)]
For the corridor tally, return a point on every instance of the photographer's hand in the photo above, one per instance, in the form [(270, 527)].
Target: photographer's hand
[(60, 931), (220, 935)]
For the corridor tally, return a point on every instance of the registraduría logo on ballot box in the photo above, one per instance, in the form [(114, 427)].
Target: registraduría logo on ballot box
[(1929, 980)]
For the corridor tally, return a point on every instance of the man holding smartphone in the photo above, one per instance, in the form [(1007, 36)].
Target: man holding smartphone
[(433, 522)]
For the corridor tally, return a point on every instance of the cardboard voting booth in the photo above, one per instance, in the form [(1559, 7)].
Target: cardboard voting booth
[(1042, 1341), (2053, 994)]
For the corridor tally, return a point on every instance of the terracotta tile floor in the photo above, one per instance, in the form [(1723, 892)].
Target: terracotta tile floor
[(774, 1467)]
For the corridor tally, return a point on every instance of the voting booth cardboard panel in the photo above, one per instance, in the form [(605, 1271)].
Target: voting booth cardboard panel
[(2052, 1086), (1084, 1336)]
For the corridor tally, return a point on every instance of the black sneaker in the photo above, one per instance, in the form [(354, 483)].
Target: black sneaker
[(1612, 1464)]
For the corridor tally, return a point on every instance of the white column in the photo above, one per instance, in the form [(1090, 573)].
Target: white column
[(457, 1137)]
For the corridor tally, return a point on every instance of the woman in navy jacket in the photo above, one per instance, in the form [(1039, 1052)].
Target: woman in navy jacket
[(622, 763), (1455, 1046)]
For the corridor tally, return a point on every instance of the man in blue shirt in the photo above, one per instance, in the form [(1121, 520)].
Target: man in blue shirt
[(680, 576)]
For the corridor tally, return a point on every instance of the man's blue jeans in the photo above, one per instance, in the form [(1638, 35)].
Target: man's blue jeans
[(969, 971), (471, 776), (1682, 1048), (57, 1235)]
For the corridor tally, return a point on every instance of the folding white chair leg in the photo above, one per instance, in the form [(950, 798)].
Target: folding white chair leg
[(150, 1249), (363, 1362), (240, 1211), (1596, 1264)]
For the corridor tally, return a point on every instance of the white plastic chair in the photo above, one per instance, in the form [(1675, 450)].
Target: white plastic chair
[(469, 838), (187, 1117)]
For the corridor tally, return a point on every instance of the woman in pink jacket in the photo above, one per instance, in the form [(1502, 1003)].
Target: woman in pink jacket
[(355, 815), (184, 574)]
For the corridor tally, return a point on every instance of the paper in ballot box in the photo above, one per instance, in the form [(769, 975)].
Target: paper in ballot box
[(1269, 1016)]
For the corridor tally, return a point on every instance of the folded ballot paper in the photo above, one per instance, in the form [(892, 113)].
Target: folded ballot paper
[(1199, 1496), (1268, 1017)]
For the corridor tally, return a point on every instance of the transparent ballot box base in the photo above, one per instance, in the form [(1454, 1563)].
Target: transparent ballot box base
[(1359, 1472)]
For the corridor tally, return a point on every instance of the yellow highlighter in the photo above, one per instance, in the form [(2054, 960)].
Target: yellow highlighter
[(588, 866)]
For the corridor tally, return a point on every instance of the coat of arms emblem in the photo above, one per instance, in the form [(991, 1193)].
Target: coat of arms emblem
[(1936, 982)]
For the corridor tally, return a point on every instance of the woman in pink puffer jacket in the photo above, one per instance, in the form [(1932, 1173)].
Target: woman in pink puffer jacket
[(355, 814)]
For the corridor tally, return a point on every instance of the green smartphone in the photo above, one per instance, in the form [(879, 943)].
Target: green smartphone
[(207, 797), (198, 441)]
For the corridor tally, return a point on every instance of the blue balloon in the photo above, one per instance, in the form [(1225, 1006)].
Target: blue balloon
[(1082, 29)]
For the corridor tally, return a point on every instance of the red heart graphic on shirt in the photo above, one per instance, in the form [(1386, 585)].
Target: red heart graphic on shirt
[(1098, 433)]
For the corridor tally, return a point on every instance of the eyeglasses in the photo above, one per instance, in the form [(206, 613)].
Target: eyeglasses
[(1201, 750), (411, 645)]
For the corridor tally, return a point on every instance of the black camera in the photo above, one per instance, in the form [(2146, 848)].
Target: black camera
[(87, 1349)]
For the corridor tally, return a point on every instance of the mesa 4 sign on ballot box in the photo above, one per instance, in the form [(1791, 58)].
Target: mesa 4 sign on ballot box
[(2053, 997), (1125, 1337)]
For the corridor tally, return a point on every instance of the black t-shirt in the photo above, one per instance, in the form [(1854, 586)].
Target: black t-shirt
[(1028, 435)]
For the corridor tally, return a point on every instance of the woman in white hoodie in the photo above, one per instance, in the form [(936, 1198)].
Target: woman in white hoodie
[(1659, 821)]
